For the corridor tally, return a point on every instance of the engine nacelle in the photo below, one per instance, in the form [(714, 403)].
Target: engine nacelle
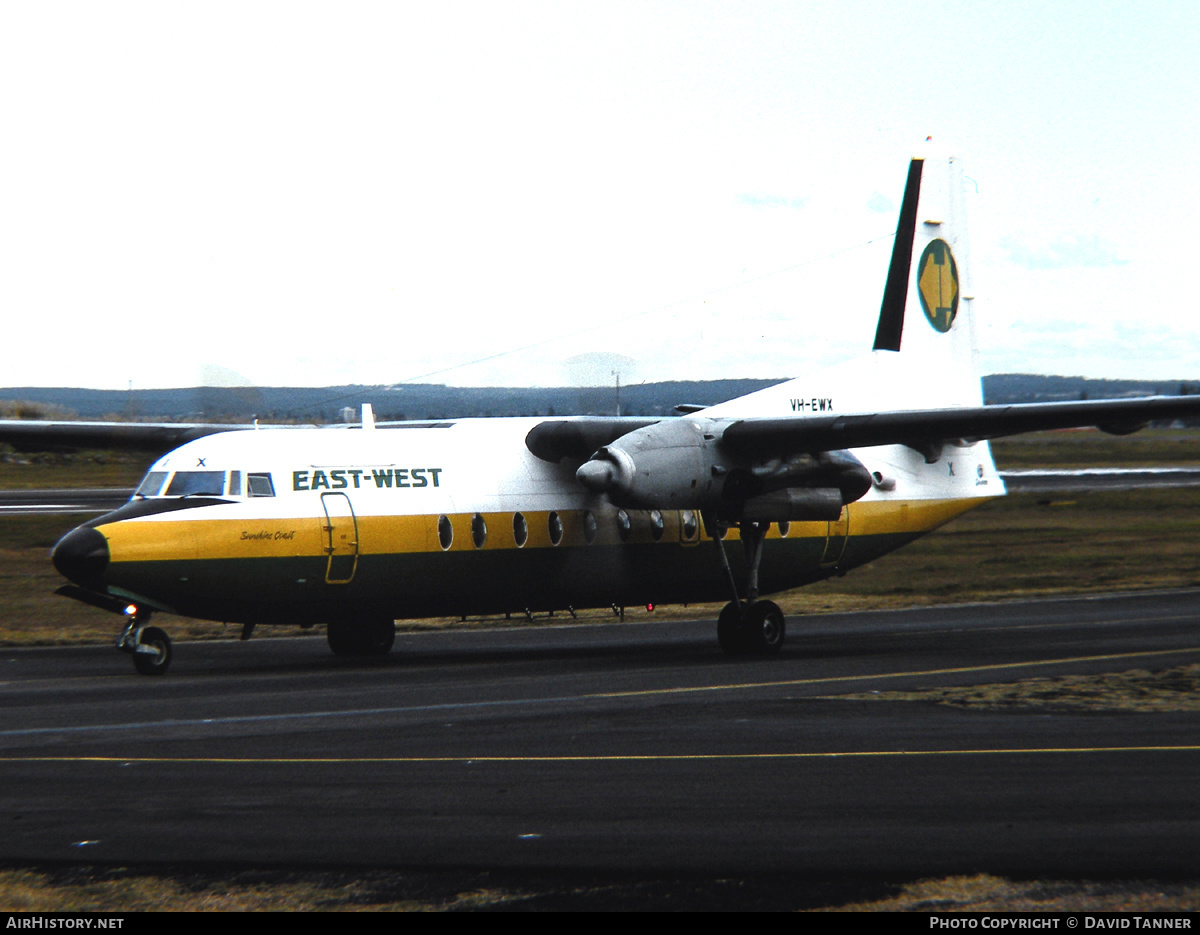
[(680, 464), (673, 464), (794, 505)]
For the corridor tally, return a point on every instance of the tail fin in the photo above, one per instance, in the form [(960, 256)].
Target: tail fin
[(925, 318), (924, 355)]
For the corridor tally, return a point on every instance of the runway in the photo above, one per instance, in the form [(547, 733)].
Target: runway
[(62, 500), (1094, 479), (632, 747)]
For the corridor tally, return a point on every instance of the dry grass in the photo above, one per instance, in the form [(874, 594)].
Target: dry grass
[(1029, 546), (117, 890), (1076, 448), (994, 894), (27, 891), (19, 470), (1176, 689)]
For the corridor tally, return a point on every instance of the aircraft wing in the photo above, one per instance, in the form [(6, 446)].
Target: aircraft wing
[(921, 428), (30, 435), (800, 467)]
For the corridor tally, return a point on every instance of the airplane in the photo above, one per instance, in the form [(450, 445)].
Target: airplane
[(354, 528)]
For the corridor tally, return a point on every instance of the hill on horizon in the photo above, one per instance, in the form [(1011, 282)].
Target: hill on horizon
[(438, 401)]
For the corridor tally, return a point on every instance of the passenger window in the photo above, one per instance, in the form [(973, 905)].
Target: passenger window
[(259, 485), (624, 525)]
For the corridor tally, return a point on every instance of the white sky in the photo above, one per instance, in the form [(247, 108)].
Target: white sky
[(316, 194)]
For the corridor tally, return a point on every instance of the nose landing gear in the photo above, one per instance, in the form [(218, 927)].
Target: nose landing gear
[(149, 646)]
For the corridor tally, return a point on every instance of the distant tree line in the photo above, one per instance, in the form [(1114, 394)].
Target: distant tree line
[(434, 401)]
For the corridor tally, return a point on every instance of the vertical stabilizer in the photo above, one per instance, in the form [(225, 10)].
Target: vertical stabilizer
[(925, 320), (924, 352)]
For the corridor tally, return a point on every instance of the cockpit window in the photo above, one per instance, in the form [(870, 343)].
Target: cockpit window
[(151, 485), (205, 484), (259, 485), (197, 483)]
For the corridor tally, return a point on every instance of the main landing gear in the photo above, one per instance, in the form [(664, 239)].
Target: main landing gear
[(751, 626), (150, 647), (371, 637), (751, 629)]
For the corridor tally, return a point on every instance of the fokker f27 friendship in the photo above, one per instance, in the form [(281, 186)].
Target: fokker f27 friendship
[(355, 528)]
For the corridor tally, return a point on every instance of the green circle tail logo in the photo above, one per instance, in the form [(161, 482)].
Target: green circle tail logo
[(937, 284)]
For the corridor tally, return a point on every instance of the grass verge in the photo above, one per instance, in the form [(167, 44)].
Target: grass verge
[(141, 889)]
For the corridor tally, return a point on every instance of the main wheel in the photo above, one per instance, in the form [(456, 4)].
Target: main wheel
[(378, 637), (731, 632), (152, 655), (764, 628), (342, 637)]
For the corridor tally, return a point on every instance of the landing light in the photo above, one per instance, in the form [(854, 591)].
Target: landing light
[(131, 610)]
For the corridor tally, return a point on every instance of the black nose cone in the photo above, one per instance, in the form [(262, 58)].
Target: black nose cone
[(81, 556)]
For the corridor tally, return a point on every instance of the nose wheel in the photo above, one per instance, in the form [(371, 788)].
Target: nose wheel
[(149, 646)]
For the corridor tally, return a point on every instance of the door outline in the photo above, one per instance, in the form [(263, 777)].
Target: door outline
[(837, 533), (341, 538)]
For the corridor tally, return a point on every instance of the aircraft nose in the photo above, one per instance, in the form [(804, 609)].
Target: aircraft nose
[(81, 556)]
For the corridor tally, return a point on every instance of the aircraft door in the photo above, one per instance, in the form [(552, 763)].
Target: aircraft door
[(341, 538), (835, 541)]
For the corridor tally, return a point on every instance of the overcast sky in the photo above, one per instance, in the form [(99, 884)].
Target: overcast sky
[(317, 194)]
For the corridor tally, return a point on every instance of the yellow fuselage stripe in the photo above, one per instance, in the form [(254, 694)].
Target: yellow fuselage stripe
[(191, 536)]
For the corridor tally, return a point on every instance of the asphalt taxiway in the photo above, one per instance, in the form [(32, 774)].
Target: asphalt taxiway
[(616, 747)]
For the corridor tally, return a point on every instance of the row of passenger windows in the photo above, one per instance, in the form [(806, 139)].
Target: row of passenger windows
[(689, 527), (205, 484)]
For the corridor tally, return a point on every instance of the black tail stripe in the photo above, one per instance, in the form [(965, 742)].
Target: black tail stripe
[(891, 312)]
